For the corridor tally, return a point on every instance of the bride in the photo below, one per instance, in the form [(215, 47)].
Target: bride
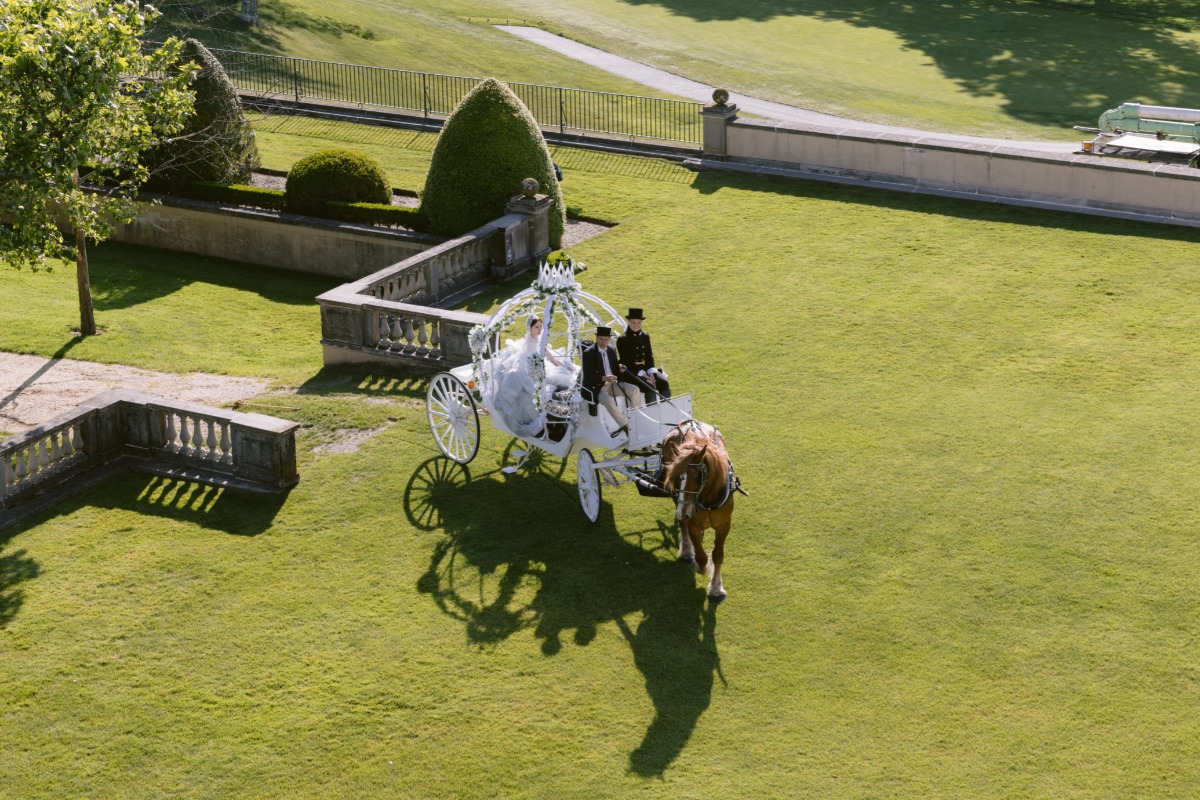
[(520, 362)]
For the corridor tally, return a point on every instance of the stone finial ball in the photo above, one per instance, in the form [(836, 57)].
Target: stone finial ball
[(530, 186), (721, 96)]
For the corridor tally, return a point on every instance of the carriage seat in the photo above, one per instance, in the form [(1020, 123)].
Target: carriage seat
[(584, 346)]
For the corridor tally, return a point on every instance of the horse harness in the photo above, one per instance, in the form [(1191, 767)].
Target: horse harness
[(732, 483)]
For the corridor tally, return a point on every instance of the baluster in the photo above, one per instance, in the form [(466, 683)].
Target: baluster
[(22, 464), (435, 335), (408, 333), (170, 443), (43, 455), (211, 441), (184, 437), (68, 449), (55, 450), (384, 327), (422, 337), (225, 454), (197, 437), (6, 475), (397, 329)]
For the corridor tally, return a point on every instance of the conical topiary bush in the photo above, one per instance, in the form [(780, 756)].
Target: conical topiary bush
[(489, 144), (217, 143)]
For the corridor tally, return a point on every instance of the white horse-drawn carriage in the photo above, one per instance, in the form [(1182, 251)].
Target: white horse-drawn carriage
[(534, 391), (570, 422)]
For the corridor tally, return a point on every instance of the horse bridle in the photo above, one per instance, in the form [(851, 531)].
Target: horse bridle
[(682, 495)]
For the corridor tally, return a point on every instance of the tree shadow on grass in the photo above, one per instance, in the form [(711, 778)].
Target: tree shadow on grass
[(517, 553), (1052, 63), (15, 568), (712, 181), (125, 275)]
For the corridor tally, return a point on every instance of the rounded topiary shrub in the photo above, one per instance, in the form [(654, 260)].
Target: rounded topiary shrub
[(346, 176), (217, 143), (487, 147)]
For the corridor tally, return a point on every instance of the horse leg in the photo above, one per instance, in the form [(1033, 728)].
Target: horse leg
[(686, 552), (695, 533), (716, 589)]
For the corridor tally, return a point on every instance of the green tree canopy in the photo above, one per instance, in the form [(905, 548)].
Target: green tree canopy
[(487, 147), (79, 103)]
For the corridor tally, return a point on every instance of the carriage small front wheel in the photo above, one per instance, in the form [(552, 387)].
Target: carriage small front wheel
[(453, 418), (589, 485)]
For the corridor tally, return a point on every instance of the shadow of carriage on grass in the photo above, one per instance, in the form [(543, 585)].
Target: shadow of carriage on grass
[(517, 554)]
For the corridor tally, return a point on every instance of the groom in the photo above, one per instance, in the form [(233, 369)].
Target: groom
[(600, 381)]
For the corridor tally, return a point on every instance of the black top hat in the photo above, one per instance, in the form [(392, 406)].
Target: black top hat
[(634, 313), (603, 330)]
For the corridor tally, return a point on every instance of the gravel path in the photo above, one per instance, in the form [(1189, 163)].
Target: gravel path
[(35, 389)]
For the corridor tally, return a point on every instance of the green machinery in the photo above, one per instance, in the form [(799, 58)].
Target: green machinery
[(1147, 133)]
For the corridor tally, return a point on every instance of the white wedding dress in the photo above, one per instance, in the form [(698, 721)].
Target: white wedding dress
[(514, 397)]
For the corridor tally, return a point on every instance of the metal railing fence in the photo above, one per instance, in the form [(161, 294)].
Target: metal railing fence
[(555, 108)]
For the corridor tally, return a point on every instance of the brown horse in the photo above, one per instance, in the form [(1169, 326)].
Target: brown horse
[(700, 476)]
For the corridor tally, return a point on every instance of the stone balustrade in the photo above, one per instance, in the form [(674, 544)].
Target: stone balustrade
[(392, 316), (123, 429)]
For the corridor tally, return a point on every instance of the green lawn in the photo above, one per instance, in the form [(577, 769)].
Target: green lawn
[(966, 569), (1027, 70)]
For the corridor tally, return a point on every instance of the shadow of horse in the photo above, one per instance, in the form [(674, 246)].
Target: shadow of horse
[(510, 560)]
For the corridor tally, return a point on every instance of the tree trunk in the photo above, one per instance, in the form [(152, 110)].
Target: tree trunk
[(249, 12), (87, 316)]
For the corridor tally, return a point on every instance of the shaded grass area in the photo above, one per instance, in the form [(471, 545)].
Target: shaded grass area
[(966, 567)]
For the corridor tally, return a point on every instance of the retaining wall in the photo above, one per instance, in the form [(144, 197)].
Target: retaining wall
[(1165, 193), (288, 241)]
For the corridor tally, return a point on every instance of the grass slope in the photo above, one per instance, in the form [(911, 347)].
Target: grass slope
[(1024, 70), (966, 569)]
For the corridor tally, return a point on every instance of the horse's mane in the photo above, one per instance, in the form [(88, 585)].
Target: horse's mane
[(698, 446)]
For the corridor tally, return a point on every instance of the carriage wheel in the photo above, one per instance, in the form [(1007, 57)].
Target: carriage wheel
[(589, 485), (453, 418)]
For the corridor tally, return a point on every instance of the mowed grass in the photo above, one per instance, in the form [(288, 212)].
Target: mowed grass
[(1022, 70), (966, 569), (163, 311)]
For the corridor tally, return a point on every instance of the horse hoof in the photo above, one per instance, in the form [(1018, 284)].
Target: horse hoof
[(686, 560), (713, 599)]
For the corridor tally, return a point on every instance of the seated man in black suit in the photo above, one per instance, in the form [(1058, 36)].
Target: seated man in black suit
[(637, 357), (600, 383)]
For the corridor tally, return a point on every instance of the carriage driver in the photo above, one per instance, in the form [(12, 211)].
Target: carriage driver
[(600, 370), (637, 357)]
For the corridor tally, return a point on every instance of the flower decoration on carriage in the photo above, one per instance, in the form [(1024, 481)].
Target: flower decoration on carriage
[(478, 339), (537, 371)]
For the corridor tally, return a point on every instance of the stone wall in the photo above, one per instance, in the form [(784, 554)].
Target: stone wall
[(288, 241), (929, 165)]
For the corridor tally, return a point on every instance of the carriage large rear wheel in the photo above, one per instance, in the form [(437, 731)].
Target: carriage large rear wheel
[(453, 418), (589, 485)]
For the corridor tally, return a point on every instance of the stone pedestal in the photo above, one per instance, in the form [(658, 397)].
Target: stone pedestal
[(716, 118), (526, 235)]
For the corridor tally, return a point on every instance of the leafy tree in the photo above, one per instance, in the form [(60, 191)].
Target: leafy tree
[(217, 142), (489, 144), (79, 103)]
